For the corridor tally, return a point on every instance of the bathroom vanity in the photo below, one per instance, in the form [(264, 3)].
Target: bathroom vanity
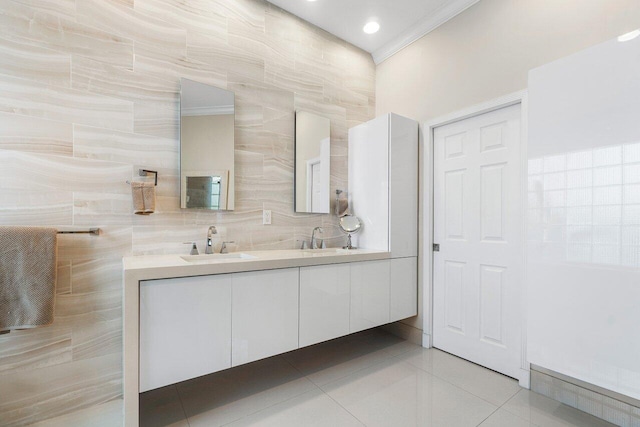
[(187, 316)]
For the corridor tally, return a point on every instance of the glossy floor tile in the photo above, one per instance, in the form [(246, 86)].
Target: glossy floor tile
[(367, 379)]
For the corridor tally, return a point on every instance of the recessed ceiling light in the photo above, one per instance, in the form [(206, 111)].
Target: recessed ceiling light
[(629, 36), (371, 27)]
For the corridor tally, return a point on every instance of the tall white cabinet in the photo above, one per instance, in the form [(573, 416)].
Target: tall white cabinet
[(383, 193), (383, 183)]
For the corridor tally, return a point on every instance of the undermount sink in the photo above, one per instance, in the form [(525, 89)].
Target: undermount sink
[(205, 259)]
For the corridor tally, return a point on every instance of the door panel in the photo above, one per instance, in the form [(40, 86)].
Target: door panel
[(477, 211)]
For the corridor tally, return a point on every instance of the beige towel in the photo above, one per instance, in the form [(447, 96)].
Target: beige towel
[(27, 276), (138, 198), (144, 197), (149, 196), (342, 207)]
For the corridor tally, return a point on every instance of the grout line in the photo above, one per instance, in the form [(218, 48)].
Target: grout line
[(182, 405)]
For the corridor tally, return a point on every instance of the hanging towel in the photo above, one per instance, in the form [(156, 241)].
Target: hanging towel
[(149, 196), (138, 198), (144, 197), (27, 276), (342, 205)]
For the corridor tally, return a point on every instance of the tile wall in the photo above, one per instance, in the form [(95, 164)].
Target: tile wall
[(89, 94), (601, 406)]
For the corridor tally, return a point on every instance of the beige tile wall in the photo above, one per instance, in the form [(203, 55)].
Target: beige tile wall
[(89, 94)]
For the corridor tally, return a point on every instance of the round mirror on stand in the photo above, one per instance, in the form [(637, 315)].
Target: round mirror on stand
[(351, 225)]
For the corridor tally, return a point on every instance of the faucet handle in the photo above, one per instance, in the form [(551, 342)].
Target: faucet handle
[(304, 244), (194, 248), (223, 248)]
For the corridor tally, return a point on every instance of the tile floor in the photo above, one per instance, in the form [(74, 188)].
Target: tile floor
[(371, 379)]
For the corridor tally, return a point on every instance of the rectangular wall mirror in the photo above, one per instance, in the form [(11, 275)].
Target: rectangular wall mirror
[(207, 128), (312, 146)]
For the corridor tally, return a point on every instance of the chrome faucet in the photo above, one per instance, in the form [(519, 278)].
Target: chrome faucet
[(314, 241), (212, 230)]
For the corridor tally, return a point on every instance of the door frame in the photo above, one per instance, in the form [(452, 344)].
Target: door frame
[(427, 216)]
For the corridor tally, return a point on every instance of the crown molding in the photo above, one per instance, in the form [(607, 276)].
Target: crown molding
[(422, 28), (214, 110)]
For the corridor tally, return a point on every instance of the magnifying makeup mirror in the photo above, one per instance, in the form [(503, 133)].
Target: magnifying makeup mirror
[(351, 225)]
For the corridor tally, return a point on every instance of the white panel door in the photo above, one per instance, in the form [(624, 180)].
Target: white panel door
[(403, 288), (477, 223), (369, 294), (265, 314), (185, 329), (324, 303)]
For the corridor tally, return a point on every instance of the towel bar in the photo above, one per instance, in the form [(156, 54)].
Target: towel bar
[(92, 231)]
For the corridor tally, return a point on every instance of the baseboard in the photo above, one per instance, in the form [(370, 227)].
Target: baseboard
[(585, 397)]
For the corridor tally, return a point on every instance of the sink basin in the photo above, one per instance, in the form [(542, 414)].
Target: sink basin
[(208, 258)]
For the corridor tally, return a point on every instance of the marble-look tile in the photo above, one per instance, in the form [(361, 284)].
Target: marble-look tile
[(542, 411), (124, 147), (129, 23), (502, 418), (151, 119), (392, 393), (35, 63), (33, 172), (68, 105), (130, 85), (311, 409), (329, 361), (226, 396), (30, 134), (35, 207), (59, 389), (63, 278), (488, 385), (30, 349), (161, 65), (65, 8), (220, 56), (200, 15), (25, 24), (103, 415), (113, 242), (162, 408)]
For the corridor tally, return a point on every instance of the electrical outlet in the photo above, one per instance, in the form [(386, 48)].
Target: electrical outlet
[(266, 217)]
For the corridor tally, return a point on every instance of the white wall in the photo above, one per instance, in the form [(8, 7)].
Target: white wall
[(487, 51)]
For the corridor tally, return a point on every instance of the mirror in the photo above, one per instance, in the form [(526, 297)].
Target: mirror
[(351, 225), (207, 127), (312, 147)]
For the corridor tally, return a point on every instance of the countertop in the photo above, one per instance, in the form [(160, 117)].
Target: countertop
[(149, 267)]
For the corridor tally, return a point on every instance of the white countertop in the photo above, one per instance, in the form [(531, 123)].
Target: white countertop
[(149, 267)]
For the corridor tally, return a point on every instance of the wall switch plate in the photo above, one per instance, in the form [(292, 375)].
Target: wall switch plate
[(266, 217)]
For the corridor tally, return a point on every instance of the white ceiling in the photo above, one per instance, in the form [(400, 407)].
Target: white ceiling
[(401, 21)]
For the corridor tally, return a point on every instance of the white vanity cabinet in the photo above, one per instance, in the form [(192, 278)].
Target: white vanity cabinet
[(369, 294), (265, 314), (185, 329), (324, 302), (403, 290)]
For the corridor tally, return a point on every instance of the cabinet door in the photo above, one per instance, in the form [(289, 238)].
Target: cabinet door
[(324, 303), (185, 329), (265, 314), (369, 294), (403, 288)]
